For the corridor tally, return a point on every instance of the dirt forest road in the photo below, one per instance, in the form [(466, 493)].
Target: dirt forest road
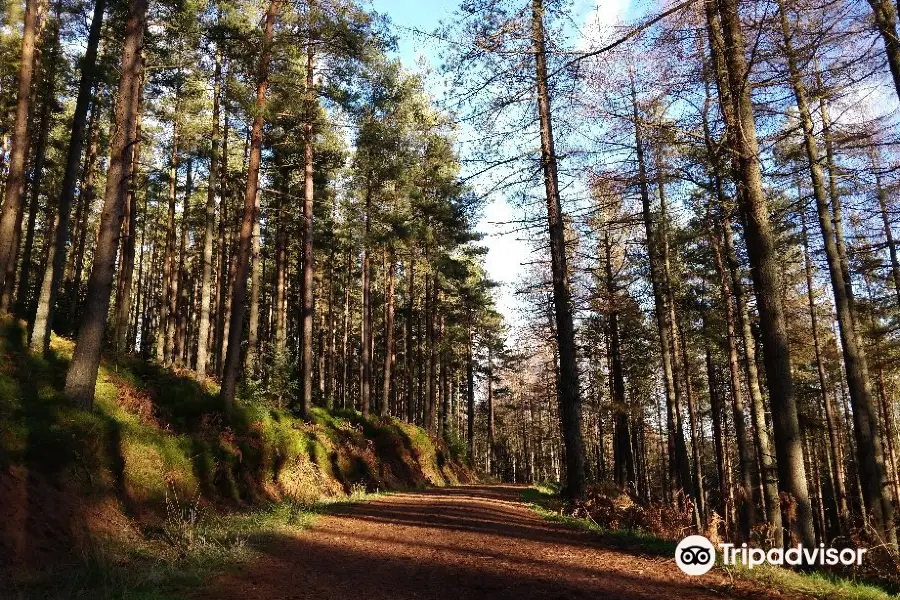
[(461, 543)]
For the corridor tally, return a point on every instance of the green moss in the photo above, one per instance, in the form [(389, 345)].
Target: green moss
[(152, 432)]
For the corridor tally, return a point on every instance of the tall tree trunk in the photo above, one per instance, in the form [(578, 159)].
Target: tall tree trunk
[(332, 330), (765, 456), (428, 400), (206, 283), (365, 386), (865, 414), (491, 435), (695, 488), (251, 359), (837, 476), (345, 359), (718, 418), (767, 281), (888, 233), (280, 295), (24, 302), (680, 465), (623, 458), (167, 305), (11, 211), (745, 459), (388, 337), (307, 224), (182, 313), (470, 388), (56, 261), (136, 324), (239, 287), (223, 291), (885, 15), (86, 200), (567, 384), (694, 423), (410, 362), (444, 384), (747, 507), (82, 375), (126, 259)]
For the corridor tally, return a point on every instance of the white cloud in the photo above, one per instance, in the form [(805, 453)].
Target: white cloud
[(505, 256)]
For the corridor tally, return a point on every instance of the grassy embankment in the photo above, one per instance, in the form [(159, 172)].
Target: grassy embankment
[(153, 489)]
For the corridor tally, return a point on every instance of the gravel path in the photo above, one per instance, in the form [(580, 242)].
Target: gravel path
[(462, 542)]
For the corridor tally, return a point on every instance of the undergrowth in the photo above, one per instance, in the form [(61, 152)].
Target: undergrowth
[(155, 484), (546, 501)]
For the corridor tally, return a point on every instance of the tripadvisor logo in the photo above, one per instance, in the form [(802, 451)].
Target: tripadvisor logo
[(695, 555)]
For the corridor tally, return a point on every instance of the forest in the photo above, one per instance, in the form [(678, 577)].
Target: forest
[(256, 236)]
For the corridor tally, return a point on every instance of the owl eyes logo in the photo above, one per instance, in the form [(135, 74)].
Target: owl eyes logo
[(695, 555)]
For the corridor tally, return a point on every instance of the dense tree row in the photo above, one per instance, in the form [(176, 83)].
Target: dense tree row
[(253, 192), (715, 317), (256, 193)]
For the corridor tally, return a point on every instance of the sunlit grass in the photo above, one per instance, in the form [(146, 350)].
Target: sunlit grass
[(154, 435), (545, 500)]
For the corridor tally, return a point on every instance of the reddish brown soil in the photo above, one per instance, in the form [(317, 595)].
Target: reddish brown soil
[(462, 543)]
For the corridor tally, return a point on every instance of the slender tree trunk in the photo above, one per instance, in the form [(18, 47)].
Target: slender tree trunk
[(767, 281), (693, 421), (86, 200), (865, 414), (239, 287), (718, 418), (185, 282), (623, 458), (837, 476), (209, 230), (470, 388), (82, 375), (223, 309), (388, 338), (492, 445), (332, 330), (307, 224), (444, 385), (126, 259), (680, 465), (11, 211), (345, 362), (251, 359), (321, 363), (56, 261), (410, 362), (885, 16), (24, 302), (429, 392), (745, 460), (888, 233), (678, 350), (366, 316), (167, 302), (136, 325), (567, 385)]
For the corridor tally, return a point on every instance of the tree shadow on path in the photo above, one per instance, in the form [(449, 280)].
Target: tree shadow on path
[(467, 542)]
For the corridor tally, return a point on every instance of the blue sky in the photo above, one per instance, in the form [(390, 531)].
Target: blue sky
[(506, 253)]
